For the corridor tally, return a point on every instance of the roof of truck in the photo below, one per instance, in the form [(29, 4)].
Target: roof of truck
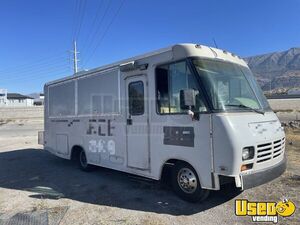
[(179, 51)]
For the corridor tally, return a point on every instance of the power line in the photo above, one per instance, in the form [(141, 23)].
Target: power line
[(54, 62), (81, 17), (94, 23), (31, 64), (94, 34), (36, 74), (42, 77), (74, 24), (33, 68), (105, 32), (45, 65), (78, 21), (77, 17), (31, 73)]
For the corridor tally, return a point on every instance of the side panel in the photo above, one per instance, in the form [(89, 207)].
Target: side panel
[(177, 136), (103, 141), (103, 133), (62, 144), (191, 143), (99, 110)]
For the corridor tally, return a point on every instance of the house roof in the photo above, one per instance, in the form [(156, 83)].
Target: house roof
[(17, 96)]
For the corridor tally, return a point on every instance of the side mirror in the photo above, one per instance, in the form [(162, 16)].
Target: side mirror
[(187, 98)]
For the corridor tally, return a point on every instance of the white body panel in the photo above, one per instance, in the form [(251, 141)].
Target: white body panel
[(142, 144)]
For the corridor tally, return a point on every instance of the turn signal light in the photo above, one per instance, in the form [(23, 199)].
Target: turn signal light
[(246, 167)]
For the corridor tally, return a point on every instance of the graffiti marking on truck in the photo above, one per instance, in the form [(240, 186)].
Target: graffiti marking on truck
[(102, 146), (99, 129)]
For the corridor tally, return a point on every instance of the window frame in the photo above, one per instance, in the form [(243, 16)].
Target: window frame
[(197, 78), (211, 106), (48, 87), (136, 114)]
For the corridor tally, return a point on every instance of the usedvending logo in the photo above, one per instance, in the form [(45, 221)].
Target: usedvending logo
[(264, 211)]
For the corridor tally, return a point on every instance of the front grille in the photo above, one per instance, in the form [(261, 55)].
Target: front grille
[(269, 150)]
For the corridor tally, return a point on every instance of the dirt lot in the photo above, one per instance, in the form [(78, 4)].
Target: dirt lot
[(33, 181)]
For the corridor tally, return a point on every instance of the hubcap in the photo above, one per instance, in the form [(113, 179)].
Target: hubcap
[(83, 159), (187, 180)]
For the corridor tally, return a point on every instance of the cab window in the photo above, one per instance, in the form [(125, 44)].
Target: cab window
[(170, 80)]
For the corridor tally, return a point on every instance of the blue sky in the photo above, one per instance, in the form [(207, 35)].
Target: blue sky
[(36, 35)]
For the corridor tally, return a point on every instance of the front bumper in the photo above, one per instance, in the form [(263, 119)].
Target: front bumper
[(263, 176)]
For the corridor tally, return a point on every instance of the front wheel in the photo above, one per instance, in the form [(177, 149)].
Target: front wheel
[(186, 183), (82, 162)]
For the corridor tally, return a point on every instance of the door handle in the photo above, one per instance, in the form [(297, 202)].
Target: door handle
[(129, 121)]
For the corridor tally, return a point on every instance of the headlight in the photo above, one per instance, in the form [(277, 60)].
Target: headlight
[(248, 153)]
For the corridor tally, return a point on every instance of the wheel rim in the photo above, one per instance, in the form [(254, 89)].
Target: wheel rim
[(187, 180), (83, 160)]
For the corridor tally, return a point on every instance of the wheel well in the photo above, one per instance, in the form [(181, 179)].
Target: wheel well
[(167, 168), (75, 152)]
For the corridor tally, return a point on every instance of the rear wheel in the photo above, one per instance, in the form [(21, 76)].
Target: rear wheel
[(82, 162), (186, 183)]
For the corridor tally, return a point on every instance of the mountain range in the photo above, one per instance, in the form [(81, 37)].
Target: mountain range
[(277, 71)]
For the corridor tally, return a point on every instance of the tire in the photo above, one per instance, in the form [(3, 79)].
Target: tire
[(82, 162), (186, 184)]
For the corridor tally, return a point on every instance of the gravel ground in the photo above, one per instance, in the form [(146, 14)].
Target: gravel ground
[(33, 180)]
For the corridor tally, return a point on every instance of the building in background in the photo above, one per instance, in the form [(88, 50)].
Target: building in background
[(39, 100), (16, 100), (3, 97)]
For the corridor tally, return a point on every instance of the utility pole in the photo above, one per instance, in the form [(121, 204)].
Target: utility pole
[(75, 59)]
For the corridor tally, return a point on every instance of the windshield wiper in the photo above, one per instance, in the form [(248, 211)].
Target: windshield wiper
[(246, 107)]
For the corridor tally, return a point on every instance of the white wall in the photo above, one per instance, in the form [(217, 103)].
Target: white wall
[(3, 101), (3, 97), (19, 102)]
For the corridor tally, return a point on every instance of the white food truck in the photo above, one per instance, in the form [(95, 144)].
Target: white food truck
[(195, 109)]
